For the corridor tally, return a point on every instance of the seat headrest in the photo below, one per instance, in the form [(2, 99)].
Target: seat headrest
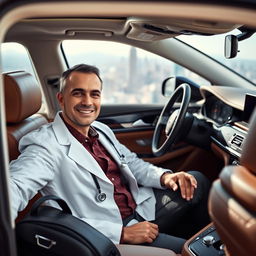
[(22, 96), (248, 158)]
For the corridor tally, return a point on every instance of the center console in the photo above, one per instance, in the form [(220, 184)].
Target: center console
[(205, 242)]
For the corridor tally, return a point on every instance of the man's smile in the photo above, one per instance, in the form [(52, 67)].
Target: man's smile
[(84, 110)]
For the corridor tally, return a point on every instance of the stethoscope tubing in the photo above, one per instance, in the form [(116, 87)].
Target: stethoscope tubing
[(101, 196)]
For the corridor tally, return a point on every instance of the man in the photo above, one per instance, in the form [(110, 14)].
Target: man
[(106, 185)]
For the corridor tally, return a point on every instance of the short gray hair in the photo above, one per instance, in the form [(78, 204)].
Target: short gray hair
[(83, 68)]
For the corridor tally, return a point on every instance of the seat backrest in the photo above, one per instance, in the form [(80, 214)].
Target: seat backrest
[(232, 202), (22, 102)]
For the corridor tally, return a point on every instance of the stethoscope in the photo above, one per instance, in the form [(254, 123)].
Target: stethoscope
[(101, 196)]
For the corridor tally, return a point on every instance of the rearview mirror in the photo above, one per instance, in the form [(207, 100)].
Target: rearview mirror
[(231, 46), (231, 41)]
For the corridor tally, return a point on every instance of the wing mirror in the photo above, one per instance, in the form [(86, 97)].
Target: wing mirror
[(168, 86), (171, 83)]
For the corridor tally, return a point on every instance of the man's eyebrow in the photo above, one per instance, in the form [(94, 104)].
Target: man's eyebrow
[(78, 90), (82, 90)]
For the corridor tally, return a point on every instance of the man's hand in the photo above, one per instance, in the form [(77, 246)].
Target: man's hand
[(185, 181), (142, 232)]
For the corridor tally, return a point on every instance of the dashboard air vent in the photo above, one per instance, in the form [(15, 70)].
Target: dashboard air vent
[(237, 140)]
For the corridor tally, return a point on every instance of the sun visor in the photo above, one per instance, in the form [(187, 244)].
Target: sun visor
[(153, 30)]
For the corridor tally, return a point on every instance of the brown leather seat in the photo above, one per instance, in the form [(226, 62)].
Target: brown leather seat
[(22, 102), (232, 202), (139, 250)]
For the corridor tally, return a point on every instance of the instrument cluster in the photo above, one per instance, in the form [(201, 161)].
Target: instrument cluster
[(217, 110)]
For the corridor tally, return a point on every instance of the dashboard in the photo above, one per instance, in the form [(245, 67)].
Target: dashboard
[(228, 110)]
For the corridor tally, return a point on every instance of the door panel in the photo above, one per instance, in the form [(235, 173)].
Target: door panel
[(137, 141), (134, 126), (129, 116)]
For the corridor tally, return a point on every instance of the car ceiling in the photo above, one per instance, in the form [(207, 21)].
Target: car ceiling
[(134, 28)]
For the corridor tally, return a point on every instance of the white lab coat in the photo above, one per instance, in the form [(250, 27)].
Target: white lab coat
[(54, 162)]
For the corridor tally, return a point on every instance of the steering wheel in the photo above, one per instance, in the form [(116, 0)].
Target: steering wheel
[(171, 121)]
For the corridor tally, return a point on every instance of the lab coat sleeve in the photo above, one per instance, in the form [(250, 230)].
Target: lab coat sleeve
[(30, 172), (146, 174)]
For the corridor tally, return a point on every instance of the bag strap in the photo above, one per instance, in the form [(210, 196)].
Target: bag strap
[(38, 203)]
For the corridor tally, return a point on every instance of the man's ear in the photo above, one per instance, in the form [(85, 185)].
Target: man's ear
[(59, 97)]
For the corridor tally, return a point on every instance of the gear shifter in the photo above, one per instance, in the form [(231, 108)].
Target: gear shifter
[(208, 240)]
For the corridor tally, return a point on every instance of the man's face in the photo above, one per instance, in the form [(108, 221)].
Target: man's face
[(80, 100)]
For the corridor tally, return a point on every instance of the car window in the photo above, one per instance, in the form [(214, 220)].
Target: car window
[(130, 75), (15, 57)]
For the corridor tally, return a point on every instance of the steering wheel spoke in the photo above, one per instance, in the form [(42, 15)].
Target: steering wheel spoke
[(163, 120)]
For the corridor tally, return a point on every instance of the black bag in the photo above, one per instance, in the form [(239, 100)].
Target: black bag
[(49, 231)]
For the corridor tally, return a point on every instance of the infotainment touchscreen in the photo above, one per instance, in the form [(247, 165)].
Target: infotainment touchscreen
[(249, 105)]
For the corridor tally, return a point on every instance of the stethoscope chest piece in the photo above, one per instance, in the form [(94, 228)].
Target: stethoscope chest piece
[(101, 197)]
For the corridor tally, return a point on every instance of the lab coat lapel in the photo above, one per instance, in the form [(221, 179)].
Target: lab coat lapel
[(83, 158), (76, 150)]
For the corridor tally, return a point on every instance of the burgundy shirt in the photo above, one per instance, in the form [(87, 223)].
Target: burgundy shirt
[(122, 195)]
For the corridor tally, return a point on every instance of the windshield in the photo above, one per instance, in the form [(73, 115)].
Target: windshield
[(245, 61), (131, 75)]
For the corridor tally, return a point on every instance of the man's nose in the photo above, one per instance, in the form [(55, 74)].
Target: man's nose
[(86, 100)]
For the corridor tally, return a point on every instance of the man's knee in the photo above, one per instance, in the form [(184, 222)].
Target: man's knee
[(201, 178), (203, 185)]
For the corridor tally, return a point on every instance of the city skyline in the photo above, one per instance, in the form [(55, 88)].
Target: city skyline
[(130, 78)]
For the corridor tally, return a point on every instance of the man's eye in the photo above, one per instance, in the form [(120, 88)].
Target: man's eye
[(96, 94), (77, 94)]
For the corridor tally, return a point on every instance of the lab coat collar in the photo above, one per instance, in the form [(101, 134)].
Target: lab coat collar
[(76, 149), (61, 131)]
